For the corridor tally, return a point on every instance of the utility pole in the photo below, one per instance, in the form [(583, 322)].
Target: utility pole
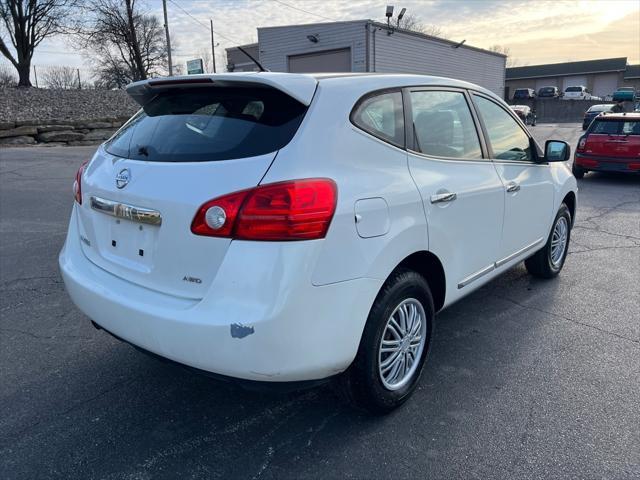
[(213, 48), (166, 31)]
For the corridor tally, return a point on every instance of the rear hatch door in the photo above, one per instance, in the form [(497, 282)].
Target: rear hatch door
[(614, 138), (189, 144)]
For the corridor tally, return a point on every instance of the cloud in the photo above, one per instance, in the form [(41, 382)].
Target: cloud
[(544, 31)]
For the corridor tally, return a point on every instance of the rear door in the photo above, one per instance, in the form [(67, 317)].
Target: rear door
[(462, 194), (187, 146), (528, 186)]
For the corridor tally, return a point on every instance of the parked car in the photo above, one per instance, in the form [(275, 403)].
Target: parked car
[(525, 114), (611, 144), (579, 92), (524, 93), (626, 94), (549, 92), (286, 228), (593, 111)]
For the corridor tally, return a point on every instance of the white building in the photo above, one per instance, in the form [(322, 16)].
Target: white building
[(368, 46)]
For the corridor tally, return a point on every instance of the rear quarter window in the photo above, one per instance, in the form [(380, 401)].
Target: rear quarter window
[(381, 115), (209, 124)]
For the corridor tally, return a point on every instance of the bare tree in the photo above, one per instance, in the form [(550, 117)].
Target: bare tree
[(126, 43), (511, 62), (60, 78), (413, 23), (27, 23), (7, 77)]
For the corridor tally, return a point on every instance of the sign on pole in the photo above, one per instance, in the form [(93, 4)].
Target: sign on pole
[(195, 66)]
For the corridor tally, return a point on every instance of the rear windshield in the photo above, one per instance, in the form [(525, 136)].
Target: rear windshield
[(600, 108), (522, 90), (547, 90), (573, 89), (206, 124), (616, 127)]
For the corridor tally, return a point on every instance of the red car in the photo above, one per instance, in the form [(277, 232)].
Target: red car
[(610, 144)]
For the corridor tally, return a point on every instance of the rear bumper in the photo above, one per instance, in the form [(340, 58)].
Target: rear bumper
[(261, 319), (607, 164)]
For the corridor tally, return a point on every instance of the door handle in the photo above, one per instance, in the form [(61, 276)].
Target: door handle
[(443, 197), (512, 187)]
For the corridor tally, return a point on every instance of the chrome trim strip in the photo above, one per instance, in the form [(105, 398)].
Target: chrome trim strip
[(474, 276), (126, 211), (499, 263)]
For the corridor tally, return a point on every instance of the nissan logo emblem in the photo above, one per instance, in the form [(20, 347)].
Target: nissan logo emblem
[(123, 178)]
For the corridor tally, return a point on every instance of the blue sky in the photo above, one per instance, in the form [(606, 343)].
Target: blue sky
[(535, 31)]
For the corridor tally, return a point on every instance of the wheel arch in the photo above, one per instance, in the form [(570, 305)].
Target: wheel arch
[(430, 267), (570, 200)]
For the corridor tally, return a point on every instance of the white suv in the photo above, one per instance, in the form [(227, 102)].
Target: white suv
[(293, 228), (579, 92)]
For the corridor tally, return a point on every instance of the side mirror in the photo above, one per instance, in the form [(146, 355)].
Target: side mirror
[(556, 151)]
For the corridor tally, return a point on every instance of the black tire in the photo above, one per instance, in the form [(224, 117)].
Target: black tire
[(578, 171), (361, 383), (540, 264)]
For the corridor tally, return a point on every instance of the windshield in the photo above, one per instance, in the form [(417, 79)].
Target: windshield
[(600, 108), (547, 90), (211, 123), (573, 89)]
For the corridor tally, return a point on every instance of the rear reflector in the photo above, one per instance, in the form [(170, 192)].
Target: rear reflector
[(292, 210)]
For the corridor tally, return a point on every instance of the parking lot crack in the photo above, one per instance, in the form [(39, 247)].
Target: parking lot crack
[(569, 319), (43, 337)]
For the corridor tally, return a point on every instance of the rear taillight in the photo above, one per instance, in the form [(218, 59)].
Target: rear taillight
[(582, 143), (77, 184), (292, 210)]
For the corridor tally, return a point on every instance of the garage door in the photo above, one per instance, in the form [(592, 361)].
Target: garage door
[(546, 82), (605, 84), (327, 61), (574, 82)]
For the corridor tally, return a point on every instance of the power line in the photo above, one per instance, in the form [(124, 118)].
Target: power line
[(202, 24), (305, 11)]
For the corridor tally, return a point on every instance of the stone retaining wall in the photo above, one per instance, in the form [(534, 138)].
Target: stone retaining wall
[(59, 131)]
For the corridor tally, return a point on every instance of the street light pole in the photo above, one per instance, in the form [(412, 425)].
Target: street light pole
[(166, 31), (213, 48)]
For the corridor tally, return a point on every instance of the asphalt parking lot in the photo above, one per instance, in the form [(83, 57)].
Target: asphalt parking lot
[(527, 378)]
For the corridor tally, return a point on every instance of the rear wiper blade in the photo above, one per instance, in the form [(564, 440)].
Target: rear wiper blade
[(143, 151)]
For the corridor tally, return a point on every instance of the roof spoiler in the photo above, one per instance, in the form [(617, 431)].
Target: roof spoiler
[(300, 87)]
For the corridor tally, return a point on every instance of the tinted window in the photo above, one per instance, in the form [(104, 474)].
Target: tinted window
[(382, 115), (615, 127), (443, 126), (573, 89), (203, 124), (508, 140)]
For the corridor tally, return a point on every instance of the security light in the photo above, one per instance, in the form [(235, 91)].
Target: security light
[(389, 13), (312, 38), (400, 17)]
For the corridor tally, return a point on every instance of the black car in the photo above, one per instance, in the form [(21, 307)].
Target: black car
[(593, 112), (524, 93), (549, 92)]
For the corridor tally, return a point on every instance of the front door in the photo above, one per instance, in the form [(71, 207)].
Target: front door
[(528, 187), (461, 191)]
